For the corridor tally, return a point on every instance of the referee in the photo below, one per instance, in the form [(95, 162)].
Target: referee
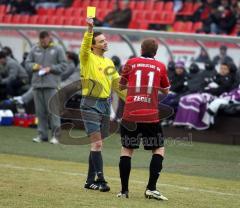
[(98, 76)]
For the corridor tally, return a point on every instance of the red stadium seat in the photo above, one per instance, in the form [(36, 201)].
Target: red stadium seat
[(77, 4), (180, 26), (69, 20), (158, 6), (149, 6), (168, 6), (7, 19), (51, 12), (60, 21), (197, 26), (16, 19), (3, 9), (143, 25), (34, 19), (139, 5), (187, 9), (103, 4), (42, 20), (132, 5), (60, 11), (42, 11), (69, 12), (133, 25), (1, 19), (25, 19), (149, 15)]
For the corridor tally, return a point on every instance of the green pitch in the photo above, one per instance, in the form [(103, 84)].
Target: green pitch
[(195, 175)]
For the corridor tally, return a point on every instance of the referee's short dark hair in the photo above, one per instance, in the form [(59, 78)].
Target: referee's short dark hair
[(149, 47), (95, 34), (43, 34)]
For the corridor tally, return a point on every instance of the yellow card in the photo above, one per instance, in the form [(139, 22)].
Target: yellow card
[(91, 12)]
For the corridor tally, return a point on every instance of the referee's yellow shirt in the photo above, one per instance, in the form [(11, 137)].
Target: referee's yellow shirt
[(98, 73)]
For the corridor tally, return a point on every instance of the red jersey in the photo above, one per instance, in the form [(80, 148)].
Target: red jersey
[(143, 78)]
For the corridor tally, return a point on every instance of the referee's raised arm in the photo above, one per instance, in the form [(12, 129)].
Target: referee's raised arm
[(85, 49)]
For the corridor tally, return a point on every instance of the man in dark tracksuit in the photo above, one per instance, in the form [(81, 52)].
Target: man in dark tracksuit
[(47, 61), (16, 75)]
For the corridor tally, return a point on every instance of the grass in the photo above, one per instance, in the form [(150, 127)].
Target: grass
[(43, 175)]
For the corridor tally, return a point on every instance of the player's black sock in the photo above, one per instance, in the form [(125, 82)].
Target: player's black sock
[(124, 170), (91, 170), (155, 169), (98, 164)]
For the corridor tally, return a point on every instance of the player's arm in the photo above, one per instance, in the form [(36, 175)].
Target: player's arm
[(123, 83), (85, 49)]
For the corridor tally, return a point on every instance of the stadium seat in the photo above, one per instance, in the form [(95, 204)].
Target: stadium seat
[(77, 4), (1, 19), (52, 20), (7, 18), (133, 25), (42, 20), (103, 4), (168, 6), (158, 6), (197, 26), (60, 21), (187, 9), (69, 20), (16, 19), (69, 12), (164, 18), (139, 5), (180, 26), (34, 19), (3, 9), (60, 11), (149, 15), (149, 6), (42, 11)]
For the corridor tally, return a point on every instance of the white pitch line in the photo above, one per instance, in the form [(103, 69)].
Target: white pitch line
[(185, 188)]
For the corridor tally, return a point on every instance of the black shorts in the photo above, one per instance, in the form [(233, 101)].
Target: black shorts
[(150, 134)]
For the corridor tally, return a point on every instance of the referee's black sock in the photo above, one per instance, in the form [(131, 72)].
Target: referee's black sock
[(91, 170), (98, 164), (124, 170), (154, 169)]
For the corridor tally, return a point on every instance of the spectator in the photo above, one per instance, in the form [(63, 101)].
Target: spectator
[(193, 84), (47, 61), (123, 18), (111, 16), (117, 63), (16, 75), (222, 57), (177, 82), (8, 51), (222, 82), (21, 7), (52, 3), (203, 56), (178, 4), (222, 19), (171, 69)]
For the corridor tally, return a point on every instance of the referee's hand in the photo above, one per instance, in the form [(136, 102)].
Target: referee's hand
[(90, 24)]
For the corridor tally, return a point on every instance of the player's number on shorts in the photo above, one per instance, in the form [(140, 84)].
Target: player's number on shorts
[(138, 81)]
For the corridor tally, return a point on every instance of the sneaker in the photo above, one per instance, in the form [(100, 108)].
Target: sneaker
[(37, 139), (123, 194), (54, 140), (103, 187), (155, 195), (92, 186)]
